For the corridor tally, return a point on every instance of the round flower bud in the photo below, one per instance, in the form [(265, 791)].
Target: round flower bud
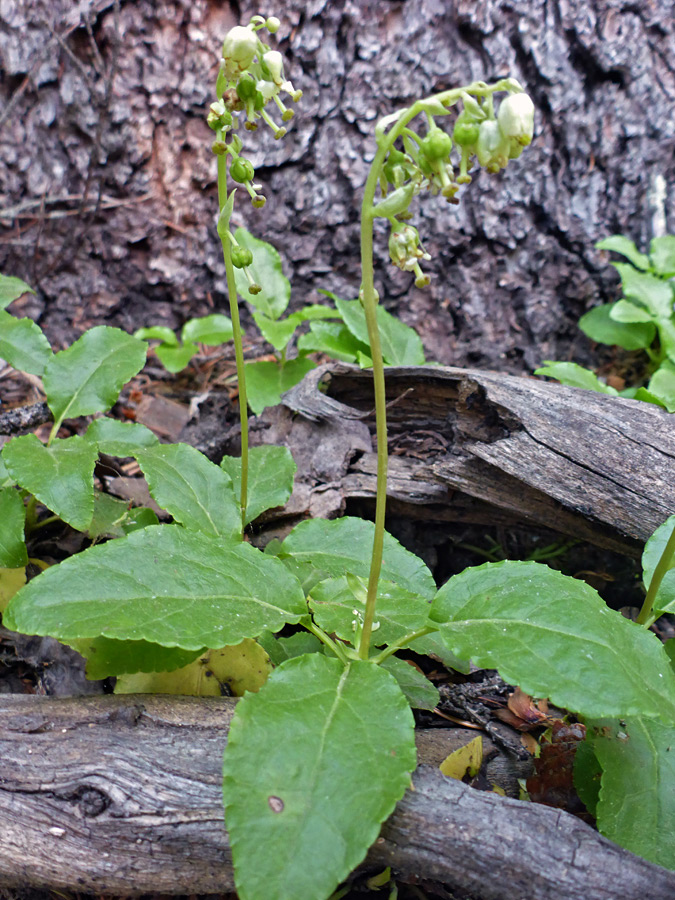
[(436, 145), (241, 170), (516, 118), (239, 49), (241, 257), (246, 88), (465, 132), (272, 24)]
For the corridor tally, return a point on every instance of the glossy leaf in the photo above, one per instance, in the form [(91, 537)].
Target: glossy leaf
[(554, 637), (573, 375), (315, 762), (636, 806), (587, 774), (13, 553), (271, 471), (620, 244), (345, 545), (267, 381), (196, 492), (433, 645), (60, 476), (106, 657), (161, 584), (401, 345), (114, 518), (6, 479), (23, 345), (119, 438), (211, 330), (11, 289), (267, 272), (88, 376), (157, 333), (662, 255), (599, 325), (651, 292), (418, 690)]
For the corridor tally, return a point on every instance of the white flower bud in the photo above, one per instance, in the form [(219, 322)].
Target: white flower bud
[(239, 49), (275, 65), (492, 148), (516, 118)]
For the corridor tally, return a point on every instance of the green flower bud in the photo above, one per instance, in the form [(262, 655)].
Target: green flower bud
[(246, 87), (492, 148), (241, 257), (239, 49), (241, 170), (254, 288), (219, 148), (436, 145), (516, 118), (257, 202), (272, 24), (465, 132)]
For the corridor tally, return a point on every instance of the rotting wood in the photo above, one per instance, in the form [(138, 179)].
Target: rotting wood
[(469, 443), (122, 795)]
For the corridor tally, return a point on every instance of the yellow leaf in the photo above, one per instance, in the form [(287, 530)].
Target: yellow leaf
[(466, 760), (10, 582)]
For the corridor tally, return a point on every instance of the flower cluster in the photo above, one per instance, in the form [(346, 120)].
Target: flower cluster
[(425, 162)]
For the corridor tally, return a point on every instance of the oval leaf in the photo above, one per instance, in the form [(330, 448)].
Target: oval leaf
[(13, 552), (162, 584), (623, 245), (270, 478), (88, 376), (599, 325), (119, 438), (315, 762), (210, 330), (23, 345), (655, 546), (401, 345), (554, 637), (267, 381)]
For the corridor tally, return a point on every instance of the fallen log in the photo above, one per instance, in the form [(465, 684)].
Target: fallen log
[(122, 795), (468, 445)]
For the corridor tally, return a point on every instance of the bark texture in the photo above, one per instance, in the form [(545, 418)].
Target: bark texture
[(107, 180), (123, 795)]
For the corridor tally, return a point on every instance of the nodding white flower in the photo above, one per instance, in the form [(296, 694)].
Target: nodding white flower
[(492, 148), (275, 65), (516, 118), (404, 248), (239, 49)]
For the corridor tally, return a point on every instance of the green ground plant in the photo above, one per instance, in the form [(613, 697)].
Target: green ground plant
[(643, 319), (318, 757)]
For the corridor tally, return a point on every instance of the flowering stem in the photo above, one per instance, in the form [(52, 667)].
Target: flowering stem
[(236, 335)]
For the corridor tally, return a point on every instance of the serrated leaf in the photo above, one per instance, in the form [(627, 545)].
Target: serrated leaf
[(636, 806), (23, 345), (88, 376), (554, 637), (13, 552), (401, 345), (573, 375), (114, 518), (345, 545), (196, 492), (315, 762), (106, 657), (620, 244), (418, 690), (267, 381), (466, 760), (161, 584), (332, 338), (662, 255), (11, 581), (11, 289), (210, 330), (119, 438), (279, 649), (624, 312), (339, 606), (653, 293), (267, 272), (601, 327), (230, 671), (665, 596), (271, 471), (61, 476), (175, 359)]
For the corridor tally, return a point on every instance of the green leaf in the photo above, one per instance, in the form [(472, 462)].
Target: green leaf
[(345, 545), (573, 375), (119, 438), (157, 333), (88, 376), (11, 289), (587, 773), (339, 606), (401, 346), (106, 657), (196, 492), (161, 584), (620, 244), (315, 762), (636, 808), (316, 311), (279, 649), (114, 518), (175, 359), (60, 476), (267, 272), (210, 330), (644, 395), (332, 338), (11, 581), (662, 385), (418, 690), (554, 637), (276, 332), (653, 293), (624, 312), (267, 381), (270, 478), (601, 327), (13, 553), (665, 596), (662, 255), (23, 345), (433, 645), (666, 329), (5, 478)]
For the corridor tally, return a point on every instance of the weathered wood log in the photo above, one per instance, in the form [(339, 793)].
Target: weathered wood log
[(122, 795), (474, 445)]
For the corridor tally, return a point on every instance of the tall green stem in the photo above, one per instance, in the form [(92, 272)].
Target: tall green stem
[(645, 616), (236, 335)]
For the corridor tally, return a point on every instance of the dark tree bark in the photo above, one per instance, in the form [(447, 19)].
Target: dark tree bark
[(123, 795), (107, 180)]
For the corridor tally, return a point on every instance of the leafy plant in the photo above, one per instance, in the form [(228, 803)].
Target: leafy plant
[(319, 756), (643, 319)]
